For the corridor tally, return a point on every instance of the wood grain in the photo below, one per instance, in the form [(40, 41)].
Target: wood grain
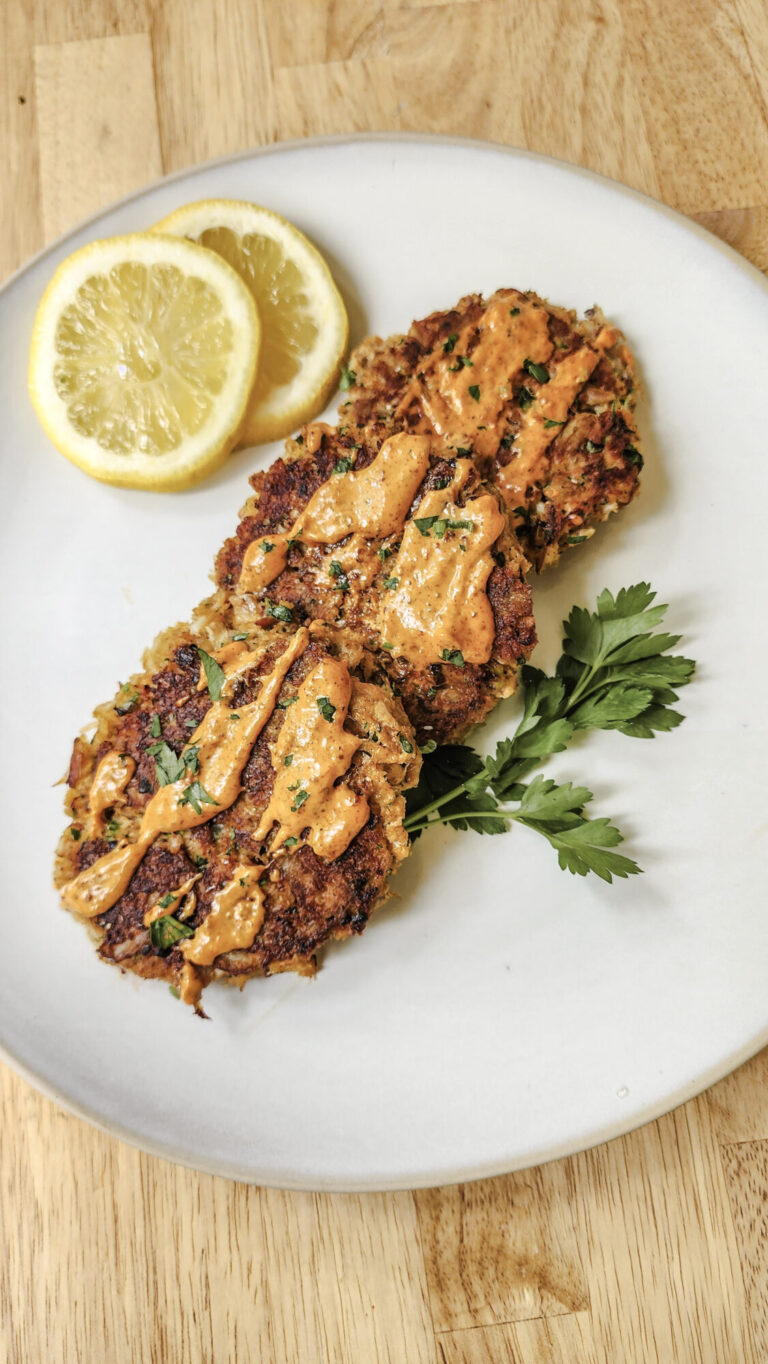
[(652, 1248), (112, 76)]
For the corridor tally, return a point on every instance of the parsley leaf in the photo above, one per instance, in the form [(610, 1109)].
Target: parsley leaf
[(336, 571), (424, 524), (277, 610), (348, 378), (474, 392), (454, 656), (196, 796), (169, 767), (450, 342), (214, 673), (391, 583), (342, 466), (164, 933), (155, 727), (537, 372), (326, 709)]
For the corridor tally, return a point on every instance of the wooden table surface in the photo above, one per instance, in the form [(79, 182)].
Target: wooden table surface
[(650, 1248)]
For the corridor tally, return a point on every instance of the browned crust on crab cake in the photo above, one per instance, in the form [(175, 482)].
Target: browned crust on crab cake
[(442, 700), (592, 464), (308, 899)]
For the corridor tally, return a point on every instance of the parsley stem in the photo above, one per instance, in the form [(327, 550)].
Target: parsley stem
[(423, 810), (451, 819)]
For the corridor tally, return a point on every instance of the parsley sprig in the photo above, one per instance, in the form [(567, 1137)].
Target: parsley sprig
[(615, 672)]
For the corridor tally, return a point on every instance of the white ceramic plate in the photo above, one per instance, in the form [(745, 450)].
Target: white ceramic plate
[(499, 1012)]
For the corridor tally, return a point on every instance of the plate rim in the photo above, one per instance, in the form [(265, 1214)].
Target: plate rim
[(416, 1179)]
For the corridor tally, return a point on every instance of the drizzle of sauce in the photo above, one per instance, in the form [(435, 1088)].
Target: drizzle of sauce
[(372, 502), (447, 405), (305, 794), (440, 603), (224, 745), (190, 985), (553, 401), (236, 915), (110, 780)]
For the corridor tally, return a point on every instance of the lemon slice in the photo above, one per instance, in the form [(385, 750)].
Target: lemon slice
[(303, 316), (143, 359)]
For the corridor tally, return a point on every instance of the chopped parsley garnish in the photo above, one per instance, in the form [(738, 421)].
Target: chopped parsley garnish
[(214, 673), (169, 767), (524, 397), (549, 423), (391, 583), (196, 796), (424, 524), (440, 524), (537, 372), (166, 932), (277, 610), (336, 571), (348, 378), (633, 456), (131, 699), (167, 900), (343, 465), (201, 862), (287, 760), (462, 450), (405, 744), (577, 539), (440, 483), (155, 727), (428, 747), (326, 709), (191, 758), (462, 361), (454, 656), (299, 799), (592, 446), (432, 691), (267, 546), (474, 392), (241, 634), (514, 312), (384, 552), (450, 342), (289, 701), (290, 842), (76, 834), (615, 673), (113, 826), (385, 644)]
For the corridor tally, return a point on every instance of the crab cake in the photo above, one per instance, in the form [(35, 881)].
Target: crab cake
[(240, 804), (396, 542), (544, 400)]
